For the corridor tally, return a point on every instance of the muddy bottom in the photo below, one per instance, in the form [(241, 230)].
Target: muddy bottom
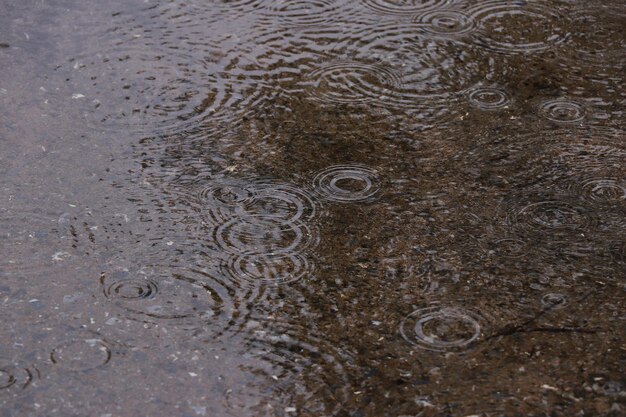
[(312, 208)]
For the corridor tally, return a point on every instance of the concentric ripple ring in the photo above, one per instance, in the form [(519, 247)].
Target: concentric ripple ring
[(447, 23), (563, 111), (551, 215), (489, 98), (347, 183), (441, 328)]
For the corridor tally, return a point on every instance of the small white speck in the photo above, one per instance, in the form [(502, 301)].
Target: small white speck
[(201, 411), (78, 95), (290, 410), (193, 374), (60, 256)]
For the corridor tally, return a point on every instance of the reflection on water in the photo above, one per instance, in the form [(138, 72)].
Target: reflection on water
[(312, 208)]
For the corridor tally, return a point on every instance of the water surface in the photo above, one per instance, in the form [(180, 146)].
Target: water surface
[(312, 208)]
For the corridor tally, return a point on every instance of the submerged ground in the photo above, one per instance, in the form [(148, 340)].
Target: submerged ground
[(312, 208)]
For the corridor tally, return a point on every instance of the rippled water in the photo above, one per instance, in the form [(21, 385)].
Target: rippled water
[(312, 208)]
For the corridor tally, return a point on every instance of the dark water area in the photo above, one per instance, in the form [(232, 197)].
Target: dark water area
[(312, 208)]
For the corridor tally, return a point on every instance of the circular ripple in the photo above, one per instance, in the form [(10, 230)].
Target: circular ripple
[(510, 248), (404, 7), (304, 12), (428, 69), (281, 202), (272, 270), (131, 289), (169, 294), (263, 236), (81, 355), (554, 301), (442, 328), (550, 216), (15, 377), (489, 98), (352, 82), (603, 190), (518, 27), (347, 183), (447, 23), (563, 111)]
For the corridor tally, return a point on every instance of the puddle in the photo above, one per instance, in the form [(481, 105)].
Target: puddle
[(312, 208)]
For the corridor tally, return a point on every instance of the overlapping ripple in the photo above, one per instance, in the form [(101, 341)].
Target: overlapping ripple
[(238, 198), (269, 269), (161, 91), (261, 229), (353, 82), (259, 235), (170, 294), (302, 369)]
